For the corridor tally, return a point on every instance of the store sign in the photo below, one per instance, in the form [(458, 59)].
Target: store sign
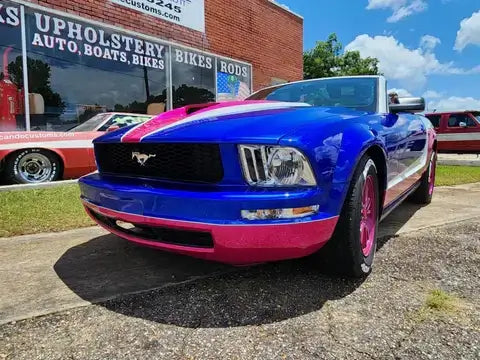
[(55, 34), (193, 58), (188, 13), (9, 15)]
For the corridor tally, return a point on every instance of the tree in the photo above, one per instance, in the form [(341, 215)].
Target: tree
[(326, 60), (39, 74)]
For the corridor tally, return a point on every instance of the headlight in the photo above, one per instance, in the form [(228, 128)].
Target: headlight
[(275, 166)]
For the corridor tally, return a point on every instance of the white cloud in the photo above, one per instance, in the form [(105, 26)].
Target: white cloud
[(432, 94), (429, 42), (400, 92), (454, 103), (469, 32), (285, 7), (409, 66), (401, 8)]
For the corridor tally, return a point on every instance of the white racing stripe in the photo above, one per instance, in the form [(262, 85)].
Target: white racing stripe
[(459, 137), (65, 144), (229, 110)]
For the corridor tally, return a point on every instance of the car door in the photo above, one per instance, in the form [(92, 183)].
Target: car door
[(462, 133), (406, 142)]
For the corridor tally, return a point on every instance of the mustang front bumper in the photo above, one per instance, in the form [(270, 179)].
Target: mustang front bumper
[(207, 224)]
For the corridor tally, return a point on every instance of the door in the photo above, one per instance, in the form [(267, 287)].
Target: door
[(461, 133), (406, 141)]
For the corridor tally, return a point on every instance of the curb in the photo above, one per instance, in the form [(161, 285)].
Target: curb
[(459, 162), (19, 187)]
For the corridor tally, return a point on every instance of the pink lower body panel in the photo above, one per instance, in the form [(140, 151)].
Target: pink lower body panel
[(232, 244)]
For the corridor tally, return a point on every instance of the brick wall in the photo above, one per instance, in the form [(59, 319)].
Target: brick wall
[(256, 31)]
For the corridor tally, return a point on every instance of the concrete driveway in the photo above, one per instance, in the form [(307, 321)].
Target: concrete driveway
[(195, 309)]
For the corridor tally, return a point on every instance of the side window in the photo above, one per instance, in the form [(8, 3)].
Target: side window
[(455, 119), (435, 120)]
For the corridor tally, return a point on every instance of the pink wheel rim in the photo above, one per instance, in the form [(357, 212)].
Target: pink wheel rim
[(431, 177), (368, 220)]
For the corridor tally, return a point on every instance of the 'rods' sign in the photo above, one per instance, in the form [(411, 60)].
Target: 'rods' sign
[(188, 13)]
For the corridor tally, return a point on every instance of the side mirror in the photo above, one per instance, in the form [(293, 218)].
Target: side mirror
[(408, 104), (462, 124), (113, 128)]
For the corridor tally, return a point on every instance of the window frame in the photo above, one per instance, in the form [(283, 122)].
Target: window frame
[(466, 115)]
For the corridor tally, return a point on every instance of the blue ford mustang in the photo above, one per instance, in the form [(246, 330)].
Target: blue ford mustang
[(305, 168)]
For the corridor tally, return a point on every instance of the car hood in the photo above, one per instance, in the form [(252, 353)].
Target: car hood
[(247, 121)]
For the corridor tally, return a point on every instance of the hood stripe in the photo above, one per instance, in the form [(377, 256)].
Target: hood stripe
[(136, 133), (219, 111)]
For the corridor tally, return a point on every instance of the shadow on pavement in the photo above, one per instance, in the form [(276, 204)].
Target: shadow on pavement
[(108, 266), (389, 227)]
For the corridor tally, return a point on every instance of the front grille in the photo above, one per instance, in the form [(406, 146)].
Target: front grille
[(200, 163), (159, 234)]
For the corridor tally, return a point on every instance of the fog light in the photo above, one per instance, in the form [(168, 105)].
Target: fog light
[(125, 225), (269, 214)]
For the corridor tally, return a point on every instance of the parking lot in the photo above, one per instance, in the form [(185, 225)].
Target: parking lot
[(422, 300)]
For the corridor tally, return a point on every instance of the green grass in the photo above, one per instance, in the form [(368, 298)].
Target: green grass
[(44, 210), (457, 175), (439, 300), (439, 303)]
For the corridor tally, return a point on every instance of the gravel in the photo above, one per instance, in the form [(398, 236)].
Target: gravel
[(284, 311)]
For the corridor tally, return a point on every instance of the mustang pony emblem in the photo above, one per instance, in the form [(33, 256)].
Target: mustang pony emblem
[(142, 158)]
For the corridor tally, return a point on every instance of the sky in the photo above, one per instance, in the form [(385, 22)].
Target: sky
[(427, 48)]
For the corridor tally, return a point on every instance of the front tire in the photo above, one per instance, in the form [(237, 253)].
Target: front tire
[(32, 166), (351, 250)]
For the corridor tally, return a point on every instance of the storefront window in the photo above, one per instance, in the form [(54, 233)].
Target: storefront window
[(12, 108), (233, 80), (193, 77), (77, 70)]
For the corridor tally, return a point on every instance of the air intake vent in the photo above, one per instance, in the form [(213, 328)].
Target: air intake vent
[(254, 160)]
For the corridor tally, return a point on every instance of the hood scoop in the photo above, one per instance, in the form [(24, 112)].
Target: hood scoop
[(190, 109)]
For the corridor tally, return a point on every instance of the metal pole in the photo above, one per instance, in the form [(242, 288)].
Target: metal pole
[(25, 68)]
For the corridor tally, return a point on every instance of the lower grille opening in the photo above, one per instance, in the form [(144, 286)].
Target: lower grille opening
[(158, 234)]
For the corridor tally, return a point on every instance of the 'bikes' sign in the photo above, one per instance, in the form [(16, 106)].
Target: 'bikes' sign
[(188, 13)]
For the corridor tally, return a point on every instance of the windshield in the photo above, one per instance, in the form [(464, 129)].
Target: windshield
[(122, 120), (91, 124), (355, 93)]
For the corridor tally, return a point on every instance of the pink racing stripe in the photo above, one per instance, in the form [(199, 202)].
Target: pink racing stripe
[(135, 134), (200, 112)]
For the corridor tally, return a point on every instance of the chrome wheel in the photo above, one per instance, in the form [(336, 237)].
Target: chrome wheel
[(34, 168)]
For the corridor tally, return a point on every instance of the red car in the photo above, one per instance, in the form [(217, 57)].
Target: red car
[(42, 156), (458, 132)]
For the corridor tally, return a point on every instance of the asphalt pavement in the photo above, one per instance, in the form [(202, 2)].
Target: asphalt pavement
[(152, 305)]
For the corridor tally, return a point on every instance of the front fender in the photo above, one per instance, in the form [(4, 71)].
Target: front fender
[(334, 153)]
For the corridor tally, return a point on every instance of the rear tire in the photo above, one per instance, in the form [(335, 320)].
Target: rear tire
[(424, 193), (351, 250), (32, 166)]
